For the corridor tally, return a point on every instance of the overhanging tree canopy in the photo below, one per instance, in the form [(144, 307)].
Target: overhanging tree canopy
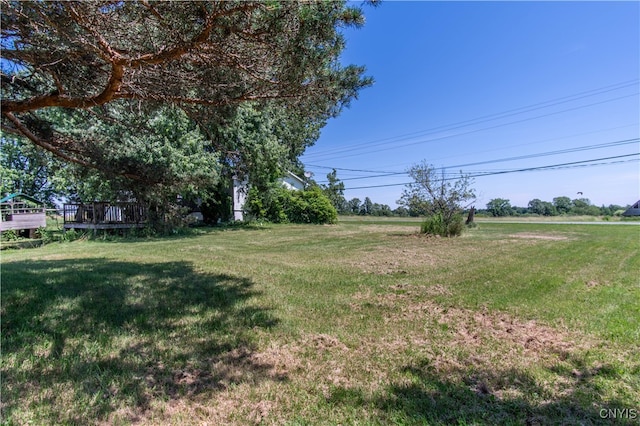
[(200, 56)]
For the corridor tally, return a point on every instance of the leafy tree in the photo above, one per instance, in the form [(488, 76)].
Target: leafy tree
[(520, 211), (334, 190), (381, 210), (612, 209), (535, 206), (443, 197), (583, 206), (353, 206), (23, 168), (204, 57), (414, 204), (366, 207), (581, 203), (549, 209), (385, 210), (543, 208), (562, 204), (400, 211), (499, 207)]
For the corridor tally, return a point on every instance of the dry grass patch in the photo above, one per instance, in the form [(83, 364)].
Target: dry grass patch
[(238, 387), (539, 236), (469, 328), (490, 354), (402, 255)]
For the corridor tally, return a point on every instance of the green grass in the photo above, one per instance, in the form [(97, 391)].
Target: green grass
[(364, 322)]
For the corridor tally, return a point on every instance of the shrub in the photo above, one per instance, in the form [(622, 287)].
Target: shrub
[(268, 204), (280, 205), (438, 225), (44, 234), (10, 235), (310, 206), (72, 235)]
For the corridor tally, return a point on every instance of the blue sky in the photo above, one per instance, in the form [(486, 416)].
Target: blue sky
[(461, 83)]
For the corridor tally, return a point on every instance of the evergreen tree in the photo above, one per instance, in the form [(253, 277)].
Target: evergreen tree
[(205, 57)]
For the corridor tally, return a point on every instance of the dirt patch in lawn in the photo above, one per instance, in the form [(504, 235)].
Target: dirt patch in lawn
[(400, 230), (400, 258), (474, 330), (488, 352), (534, 236)]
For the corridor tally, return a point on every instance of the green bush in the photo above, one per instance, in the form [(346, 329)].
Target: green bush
[(44, 234), (439, 225), (267, 204), (310, 206), (280, 205), (72, 235), (10, 235)]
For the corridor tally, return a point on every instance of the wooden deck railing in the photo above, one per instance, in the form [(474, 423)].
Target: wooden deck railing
[(10, 209), (105, 213), (20, 216)]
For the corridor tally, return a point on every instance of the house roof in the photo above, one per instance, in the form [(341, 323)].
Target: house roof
[(295, 177), (20, 194), (634, 210)]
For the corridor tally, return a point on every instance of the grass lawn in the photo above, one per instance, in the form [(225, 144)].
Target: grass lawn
[(364, 322)]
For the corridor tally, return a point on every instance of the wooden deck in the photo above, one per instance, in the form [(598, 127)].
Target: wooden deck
[(105, 216), (21, 216)]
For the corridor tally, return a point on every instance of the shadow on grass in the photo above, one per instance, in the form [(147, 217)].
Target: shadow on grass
[(492, 397), (84, 338)]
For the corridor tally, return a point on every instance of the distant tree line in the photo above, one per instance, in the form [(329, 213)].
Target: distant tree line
[(500, 207), (414, 204), (334, 190), (424, 197), (440, 200)]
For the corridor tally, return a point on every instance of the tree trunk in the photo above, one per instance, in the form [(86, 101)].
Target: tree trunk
[(472, 213)]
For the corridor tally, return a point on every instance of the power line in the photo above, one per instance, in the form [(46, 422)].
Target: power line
[(485, 118), (562, 151), (552, 102), (348, 170), (583, 163), (484, 151), (477, 130), (547, 140), (500, 160)]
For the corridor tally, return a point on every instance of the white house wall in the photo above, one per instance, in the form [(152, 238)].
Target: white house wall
[(240, 189), (239, 198)]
